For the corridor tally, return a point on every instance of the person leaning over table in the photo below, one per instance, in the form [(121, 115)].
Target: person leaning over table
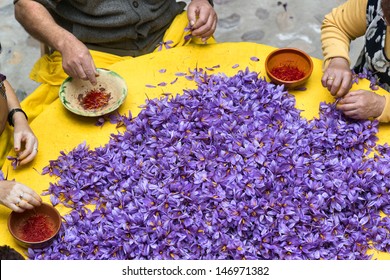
[(353, 19), (14, 195), (89, 34)]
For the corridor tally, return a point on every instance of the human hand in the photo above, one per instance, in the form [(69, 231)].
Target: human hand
[(18, 197), (362, 104), (337, 77), (202, 18), (25, 143), (77, 61)]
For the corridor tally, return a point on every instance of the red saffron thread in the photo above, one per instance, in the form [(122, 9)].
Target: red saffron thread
[(287, 73), (95, 99), (37, 227)]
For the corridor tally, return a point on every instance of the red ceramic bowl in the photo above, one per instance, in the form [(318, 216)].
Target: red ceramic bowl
[(289, 57), (35, 228)]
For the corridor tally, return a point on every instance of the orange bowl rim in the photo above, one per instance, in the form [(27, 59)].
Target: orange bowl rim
[(294, 50), (57, 229)]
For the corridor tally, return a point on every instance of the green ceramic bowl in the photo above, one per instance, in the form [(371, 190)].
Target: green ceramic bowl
[(73, 93)]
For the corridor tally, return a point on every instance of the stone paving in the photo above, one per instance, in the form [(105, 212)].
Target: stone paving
[(288, 23)]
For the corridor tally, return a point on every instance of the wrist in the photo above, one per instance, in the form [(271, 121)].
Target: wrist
[(16, 113), (384, 115), (64, 40)]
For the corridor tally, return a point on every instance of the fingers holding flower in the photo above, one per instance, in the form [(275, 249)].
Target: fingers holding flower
[(362, 104), (337, 77), (202, 18), (25, 143)]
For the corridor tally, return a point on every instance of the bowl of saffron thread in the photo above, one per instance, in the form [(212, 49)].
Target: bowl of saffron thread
[(290, 67), (36, 228)]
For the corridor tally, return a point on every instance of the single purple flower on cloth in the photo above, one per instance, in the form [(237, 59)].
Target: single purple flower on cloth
[(174, 81), (166, 45), (179, 74), (100, 121)]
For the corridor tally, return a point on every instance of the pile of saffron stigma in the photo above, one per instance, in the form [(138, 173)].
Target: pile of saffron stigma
[(36, 228), (95, 99), (287, 72), (228, 170)]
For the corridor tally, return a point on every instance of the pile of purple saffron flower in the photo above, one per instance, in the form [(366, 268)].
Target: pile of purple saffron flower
[(229, 170)]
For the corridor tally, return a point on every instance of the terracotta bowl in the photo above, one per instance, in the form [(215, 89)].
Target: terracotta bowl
[(76, 94), (25, 230), (289, 57)]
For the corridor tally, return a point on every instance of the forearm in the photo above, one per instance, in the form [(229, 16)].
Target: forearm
[(38, 22), (344, 24), (13, 102), (25, 142), (12, 99)]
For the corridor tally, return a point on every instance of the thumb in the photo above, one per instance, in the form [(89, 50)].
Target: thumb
[(192, 15)]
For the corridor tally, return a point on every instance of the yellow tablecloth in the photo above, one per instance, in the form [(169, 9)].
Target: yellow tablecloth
[(60, 130)]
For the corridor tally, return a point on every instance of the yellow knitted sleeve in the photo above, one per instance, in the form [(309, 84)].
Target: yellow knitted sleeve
[(341, 26)]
